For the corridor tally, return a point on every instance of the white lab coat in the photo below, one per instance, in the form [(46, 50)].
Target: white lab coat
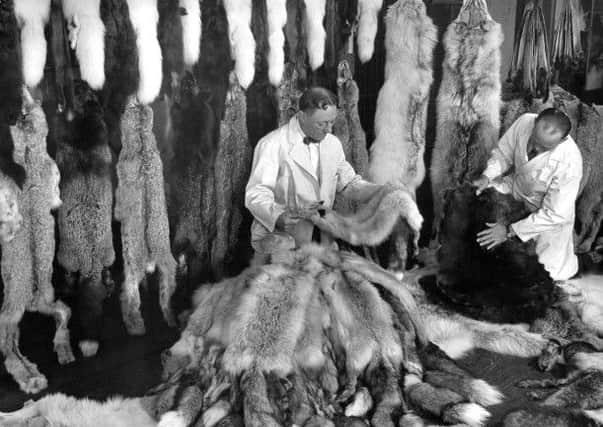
[(284, 177), (549, 185)]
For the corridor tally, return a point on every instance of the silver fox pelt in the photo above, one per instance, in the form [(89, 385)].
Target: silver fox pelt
[(468, 105)]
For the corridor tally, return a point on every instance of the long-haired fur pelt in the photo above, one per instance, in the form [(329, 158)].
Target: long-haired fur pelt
[(141, 209), (191, 31), (27, 259), (242, 43), (277, 18), (468, 102), (170, 32), (87, 38), (32, 16), (368, 12), (397, 153), (315, 32), (144, 17), (10, 217), (586, 293)]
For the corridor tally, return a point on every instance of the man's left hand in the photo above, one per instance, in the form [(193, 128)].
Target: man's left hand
[(494, 235)]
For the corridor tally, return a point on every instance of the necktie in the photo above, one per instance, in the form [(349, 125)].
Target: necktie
[(308, 141)]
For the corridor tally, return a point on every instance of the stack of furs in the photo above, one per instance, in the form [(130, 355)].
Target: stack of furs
[(27, 258), (468, 104)]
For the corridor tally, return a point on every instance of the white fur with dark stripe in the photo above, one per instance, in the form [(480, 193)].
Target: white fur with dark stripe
[(32, 16)]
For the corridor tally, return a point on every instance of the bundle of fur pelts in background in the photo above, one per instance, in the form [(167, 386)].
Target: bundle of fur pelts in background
[(141, 209), (27, 258), (86, 239), (468, 104), (288, 93), (506, 284), (232, 166), (242, 43), (32, 16)]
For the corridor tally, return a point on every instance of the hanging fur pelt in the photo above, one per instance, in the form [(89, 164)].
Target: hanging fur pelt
[(87, 38), (170, 32), (315, 32), (86, 240), (191, 31), (397, 153), (27, 259), (277, 18), (32, 16), (141, 209), (10, 217), (144, 17), (242, 43), (368, 23), (288, 94), (231, 169), (468, 102)]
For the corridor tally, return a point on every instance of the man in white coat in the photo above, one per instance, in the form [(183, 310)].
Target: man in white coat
[(540, 164), (296, 167)]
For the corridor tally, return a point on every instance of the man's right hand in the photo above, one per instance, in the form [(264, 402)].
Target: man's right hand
[(481, 184), (285, 221)]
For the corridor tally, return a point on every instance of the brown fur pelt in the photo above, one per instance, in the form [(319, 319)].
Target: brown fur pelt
[(288, 93), (468, 101), (27, 259), (169, 33), (141, 209), (231, 169)]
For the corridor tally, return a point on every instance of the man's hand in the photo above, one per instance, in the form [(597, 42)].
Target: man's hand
[(481, 184), (494, 235), (286, 220)]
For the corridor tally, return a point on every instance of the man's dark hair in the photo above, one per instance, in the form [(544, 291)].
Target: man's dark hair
[(558, 118), (317, 98)]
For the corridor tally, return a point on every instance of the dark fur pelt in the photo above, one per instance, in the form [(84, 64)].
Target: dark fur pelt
[(468, 101), (169, 33), (509, 276), (11, 81)]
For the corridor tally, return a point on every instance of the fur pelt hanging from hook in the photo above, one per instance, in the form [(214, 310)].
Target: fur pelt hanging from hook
[(368, 23), (315, 32), (242, 43), (191, 31), (87, 38), (277, 18), (144, 17), (32, 16)]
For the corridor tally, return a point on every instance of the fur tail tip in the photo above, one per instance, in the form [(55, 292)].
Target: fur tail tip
[(466, 413), (484, 394)]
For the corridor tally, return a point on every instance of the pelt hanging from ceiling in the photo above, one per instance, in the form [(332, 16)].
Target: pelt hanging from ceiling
[(32, 16), (368, 23), (10, 217), (468, 104), (242, 43), (315, 32), (277, 18), (27, 259), (141, 209), (288, 94), (191, 31), (144, 17), (231, 169), (87, 38), (397, 153)]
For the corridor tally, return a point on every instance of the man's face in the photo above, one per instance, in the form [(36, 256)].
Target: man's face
[(546, 135), (318, 122)]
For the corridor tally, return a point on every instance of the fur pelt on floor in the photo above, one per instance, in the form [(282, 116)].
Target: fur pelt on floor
[(315, 32), (242, 43), (191, 31), (231, 170), (587, 294), (32, 16), (141, 209), (397, 152), (87, 38), (468, 104), (277, 18), (368, 12), (85, 248), (144, 17), (27, 259)]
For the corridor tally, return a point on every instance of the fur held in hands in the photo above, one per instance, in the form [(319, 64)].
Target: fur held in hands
[(315, 32), (400, 120), (144, 17), (277, 18), (33, 16), (368, 23), (242, 43), (87, 37), (191, 31)]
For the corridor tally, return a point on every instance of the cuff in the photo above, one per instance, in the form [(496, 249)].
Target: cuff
[(516, 227)]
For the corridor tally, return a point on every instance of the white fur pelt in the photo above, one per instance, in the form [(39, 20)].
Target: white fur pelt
[(242, 43), (87, 37), (32, 16), (468, 104), (315, 32), (397, 153), (144, 17), (191, 31), (66, 411), (277, 18), (368, 23), (587, 293)]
